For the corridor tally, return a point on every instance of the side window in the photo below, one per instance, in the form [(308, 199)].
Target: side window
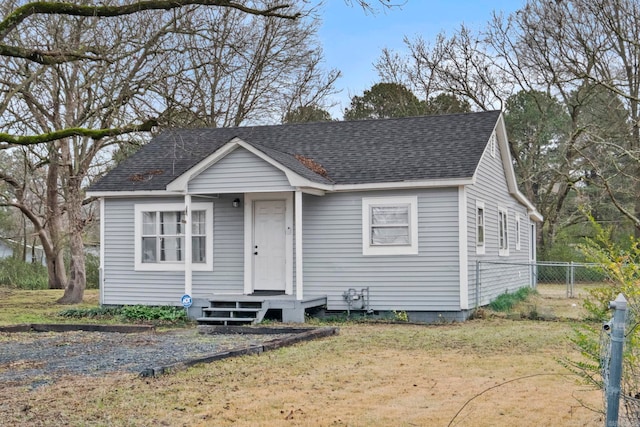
[(517, 231), (480, 230), (503, 232), (390, 226)]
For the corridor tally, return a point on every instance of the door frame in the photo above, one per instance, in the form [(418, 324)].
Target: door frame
[(249, 199)]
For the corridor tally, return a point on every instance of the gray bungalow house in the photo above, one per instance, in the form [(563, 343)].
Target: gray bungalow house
[(374, 215)]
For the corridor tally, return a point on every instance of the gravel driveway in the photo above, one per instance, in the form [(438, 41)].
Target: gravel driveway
[(36, 358)]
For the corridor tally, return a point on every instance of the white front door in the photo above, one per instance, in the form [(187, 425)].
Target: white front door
[(269, 245)]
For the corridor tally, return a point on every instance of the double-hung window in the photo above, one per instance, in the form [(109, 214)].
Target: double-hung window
[(390, 226), (480, 231), (518, 231), (503, 232), (161, 236)]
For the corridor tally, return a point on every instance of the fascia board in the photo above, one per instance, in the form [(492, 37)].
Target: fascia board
[(427, 183), (132, 193), (507, 163)]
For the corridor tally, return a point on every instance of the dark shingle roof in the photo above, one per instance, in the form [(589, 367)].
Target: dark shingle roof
[(354, 152)]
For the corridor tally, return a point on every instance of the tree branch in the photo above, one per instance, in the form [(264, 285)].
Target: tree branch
[(44, 57), (14, 19), (95, 134)]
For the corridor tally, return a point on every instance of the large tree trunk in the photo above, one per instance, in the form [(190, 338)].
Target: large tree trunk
[(56, 270), (55, 255), (74, 291)]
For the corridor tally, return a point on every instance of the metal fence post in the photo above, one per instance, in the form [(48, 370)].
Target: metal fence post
[(572, 279), (567, 274), (615, 364)]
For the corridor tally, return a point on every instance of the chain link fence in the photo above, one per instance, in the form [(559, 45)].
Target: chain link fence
[(562, 277), (567, 280)]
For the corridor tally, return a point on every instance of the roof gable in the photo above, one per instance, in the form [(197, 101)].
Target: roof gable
[(296, 172)]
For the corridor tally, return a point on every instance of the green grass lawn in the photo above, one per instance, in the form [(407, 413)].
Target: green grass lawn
[(19, 306)]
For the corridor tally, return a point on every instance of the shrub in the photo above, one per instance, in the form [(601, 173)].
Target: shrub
[(15, 273), (507, 301), (131, 313), (620, 263), (92, 271)]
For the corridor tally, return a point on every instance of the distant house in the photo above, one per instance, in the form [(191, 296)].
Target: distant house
[(375, 214), (33, 253)]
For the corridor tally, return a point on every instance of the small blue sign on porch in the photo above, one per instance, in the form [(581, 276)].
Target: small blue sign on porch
[(186, 300)]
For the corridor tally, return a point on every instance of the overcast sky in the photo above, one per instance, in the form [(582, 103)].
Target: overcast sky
[(352, 40)]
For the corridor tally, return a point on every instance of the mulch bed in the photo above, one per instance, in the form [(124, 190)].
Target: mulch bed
[(34, 355)]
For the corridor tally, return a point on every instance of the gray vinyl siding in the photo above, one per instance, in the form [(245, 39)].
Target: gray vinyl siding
[(491, 188), (333, 259), (240, 172), (123, 285)]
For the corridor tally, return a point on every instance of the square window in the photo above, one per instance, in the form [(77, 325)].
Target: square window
[(390, 226)]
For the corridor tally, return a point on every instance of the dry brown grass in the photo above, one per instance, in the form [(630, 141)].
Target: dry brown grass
[(494, 372)]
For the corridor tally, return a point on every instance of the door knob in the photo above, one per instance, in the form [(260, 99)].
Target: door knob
[(255, 253)]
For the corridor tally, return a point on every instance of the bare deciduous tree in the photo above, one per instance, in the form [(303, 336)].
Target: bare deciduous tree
[(135, 72), (572, 51)]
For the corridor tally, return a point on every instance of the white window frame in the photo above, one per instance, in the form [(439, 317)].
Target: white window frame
[(518, 231), (168, 265), (481, 218), (503, 231), (406, 249)]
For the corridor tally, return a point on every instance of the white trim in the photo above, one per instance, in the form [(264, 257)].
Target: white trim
[(507, 163), (133, 193), (299, 257), (463, 248), (310, 187), (492, 144), (503, 251), (171, 207), (188, 270), (312, 191), (480, 249), (411, 248), (249, 198), (102, 248), (427, 183)]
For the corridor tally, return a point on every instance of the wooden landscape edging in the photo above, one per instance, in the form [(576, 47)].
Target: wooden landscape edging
[(297, 335), (69, 327)]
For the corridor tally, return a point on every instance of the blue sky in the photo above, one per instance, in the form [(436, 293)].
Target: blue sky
[(352, 39)]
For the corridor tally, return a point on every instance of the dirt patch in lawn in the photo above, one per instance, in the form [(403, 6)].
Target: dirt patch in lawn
[(41, 357)]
